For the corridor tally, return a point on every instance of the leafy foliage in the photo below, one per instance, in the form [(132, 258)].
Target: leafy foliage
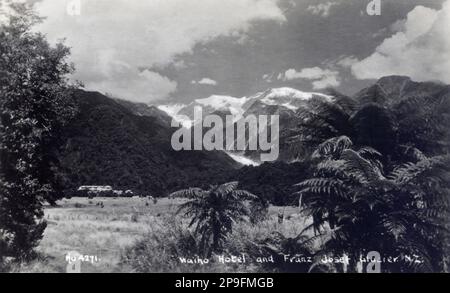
[(390, 124), (381, 179), (214, 211), (300, 248), (367, 211), (34, 106), (272, 182)]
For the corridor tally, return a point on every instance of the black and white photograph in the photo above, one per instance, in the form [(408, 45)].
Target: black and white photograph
[(225, 137)]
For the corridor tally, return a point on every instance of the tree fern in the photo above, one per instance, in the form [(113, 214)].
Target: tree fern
[(214, 211), (400, 214)]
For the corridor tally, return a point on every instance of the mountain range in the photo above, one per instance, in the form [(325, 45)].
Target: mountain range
[(288, 103), (269, 101), (127, 145), (284, 102)]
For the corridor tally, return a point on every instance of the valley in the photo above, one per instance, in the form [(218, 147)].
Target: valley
[(81, 225)]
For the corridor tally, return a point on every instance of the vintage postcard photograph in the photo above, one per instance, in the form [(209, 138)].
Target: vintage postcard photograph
[(225, 136)]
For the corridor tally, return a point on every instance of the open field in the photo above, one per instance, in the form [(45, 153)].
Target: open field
[(84, 226)]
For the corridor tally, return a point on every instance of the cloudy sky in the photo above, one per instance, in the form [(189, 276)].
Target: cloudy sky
[(161, 51)]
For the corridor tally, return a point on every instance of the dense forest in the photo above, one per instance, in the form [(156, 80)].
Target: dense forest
[(107, 144)]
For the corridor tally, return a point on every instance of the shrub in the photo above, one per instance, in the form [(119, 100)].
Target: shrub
[(33, 77), (214, 211), (159, 250)]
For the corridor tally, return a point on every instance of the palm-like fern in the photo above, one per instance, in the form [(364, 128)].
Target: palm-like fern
[(362, 189), (214, 211), (420, 122), (402, 213), (278, 246), (425, 122), (324, 119)]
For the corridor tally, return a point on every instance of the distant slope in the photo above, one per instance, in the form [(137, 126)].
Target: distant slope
[(107, 144), (284, 98), (419, 107), (391, 92), (142, 109), (393, 89), (283, 101)]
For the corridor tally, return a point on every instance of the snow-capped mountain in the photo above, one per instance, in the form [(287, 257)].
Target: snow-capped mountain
[(215, 103), (224, 103), (272, 100), (286, 97), (172, 110), (284, 102), (184, 114)]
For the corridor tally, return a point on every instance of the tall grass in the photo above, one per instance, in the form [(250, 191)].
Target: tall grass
[(162, 247)]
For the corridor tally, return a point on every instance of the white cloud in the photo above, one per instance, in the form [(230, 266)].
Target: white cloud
[(347, 62), (326, 81), (205, 81), (420, 49), (321, 78), (110, 36), (322, 9), (268, 77), (135, 86)]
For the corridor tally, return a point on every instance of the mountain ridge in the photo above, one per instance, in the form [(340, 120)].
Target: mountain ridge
[(107, 144), (289, 102)]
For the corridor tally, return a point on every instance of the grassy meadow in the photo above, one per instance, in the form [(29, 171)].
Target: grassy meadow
[(140, 235)]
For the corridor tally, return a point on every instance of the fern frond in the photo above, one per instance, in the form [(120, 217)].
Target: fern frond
[(333, 146), (411, 171), (187, 193), (361, 168)]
